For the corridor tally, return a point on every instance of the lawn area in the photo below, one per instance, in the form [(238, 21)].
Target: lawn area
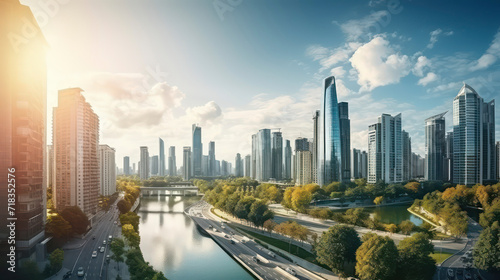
[(283, 245), (440, 257)]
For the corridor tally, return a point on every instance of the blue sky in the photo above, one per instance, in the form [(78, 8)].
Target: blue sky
[(152, 68)]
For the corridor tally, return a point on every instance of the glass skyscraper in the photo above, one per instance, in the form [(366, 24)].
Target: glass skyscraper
[(211, 158), (435, 148), (162, 167), (172, 165), (329, 156), (345, 141), (261, 146), (197, 151), (288, 161), (277, 154)]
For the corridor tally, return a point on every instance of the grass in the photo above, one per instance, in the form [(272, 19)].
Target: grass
[(213, 212), (440, 257)]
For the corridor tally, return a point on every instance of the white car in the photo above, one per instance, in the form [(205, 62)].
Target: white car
[(102, 249), (291, 271), (80, 271), (94, 254)]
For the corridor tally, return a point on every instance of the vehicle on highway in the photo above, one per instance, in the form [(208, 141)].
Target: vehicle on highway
[(232, 241), (451, 273), (110, 237), (94, 254), (215, 230), (102, 250), (93, 237), (210, 227), (67, 275), (104, 242), (107, 257), (80, 271), (223, 227), (255, 259), (291, 271), (468, 276), (115, 222), (271, 254), (226, 236)]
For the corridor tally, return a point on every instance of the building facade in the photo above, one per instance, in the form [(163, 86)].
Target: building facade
[(406, 150), (126, 165), (108, 171), (304, 167), (248, 163), (172, 165), (238, 166), (287, 172), (315, 147), (211, 158), (277, 156), (161, 164), (345, 141), (435, 148), (144, 163), (197, 151), (261, 146), (186, 163)]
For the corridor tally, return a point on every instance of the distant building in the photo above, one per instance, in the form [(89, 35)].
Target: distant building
[(498, 161), (76, 149), (406, 141), (186, 163), (345, 139), (224, 168), (197, 151), (50, 165), (277, 156), (448, 161), (211, 158), (315, 148), (261, 146), (126, 165), (217, 168), (144, 163), (248, 163), (204, 165), (154, 166), (435, 148), (301, 145), (304, 167), (418, 166), (172, 165), (288, 161), (238, 164), (161, 164), (108, 171), (359, 164)]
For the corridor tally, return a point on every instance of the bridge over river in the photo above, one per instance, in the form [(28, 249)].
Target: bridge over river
[(173, 189)]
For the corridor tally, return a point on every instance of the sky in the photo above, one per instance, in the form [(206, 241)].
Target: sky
[(152, 68)]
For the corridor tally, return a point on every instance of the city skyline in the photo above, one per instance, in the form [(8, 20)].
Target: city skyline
[(425, 63)]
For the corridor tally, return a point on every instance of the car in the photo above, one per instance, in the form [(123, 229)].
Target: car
[(451, 273), (107, 257), (223, 227), (93, 237), (115, 222), (94, 254), (271, 254), (215, 230), (67, 275), (291, 271), (104, 242), (226, 236), (255, 259), (80, 271), (468, 276), (210, 227), (463, 258), (102, 249), (232, 241)]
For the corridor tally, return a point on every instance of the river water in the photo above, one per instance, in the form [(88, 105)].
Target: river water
[(172, 244)]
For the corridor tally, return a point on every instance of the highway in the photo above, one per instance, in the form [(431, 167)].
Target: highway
[(267, 267)]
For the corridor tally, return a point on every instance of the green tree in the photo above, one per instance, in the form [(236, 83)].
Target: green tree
[(242, 209), (378, 200), (58, 227), (337, 249), (392, 228), (356, 216), (406, 226), (259, 213), (269, 225), (490, 215), (76, 218), (124, 206), (415, 262), (375, 259), (130, 218), (117, 246), (131, 235), (56, 259), (487, 249)]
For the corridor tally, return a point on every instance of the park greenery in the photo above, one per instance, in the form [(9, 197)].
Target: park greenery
[(130, 189), (29, 269), (487, 249), (161, 181), (70, 221)]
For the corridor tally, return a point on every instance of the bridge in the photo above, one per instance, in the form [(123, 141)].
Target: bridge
[(171, 190)]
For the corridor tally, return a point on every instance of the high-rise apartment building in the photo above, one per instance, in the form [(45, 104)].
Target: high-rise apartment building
[(204, 165), (498, 161), (418, 166), (172, 165), (49, 163), (435, 148), (225, 170), (108, 171), (406, 150), (211, 158), (277, 156), (345, 139), (248, 160), (473, 138), (304, 167), (359, 164), (76, 152), (197, 151), (186, 163), (238, 165), (385, 150), (261, 147), (23, 93), (126, 165), (144, 163), (161, 164), (315, 148), (287, 172), (154, 166), (448, 161)]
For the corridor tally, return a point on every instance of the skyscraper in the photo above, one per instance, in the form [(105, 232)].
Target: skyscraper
[(204, 165), (49, 163), (345, 141), (197, 151), (144, 163), (315, 149), (418, 164), (224, 168), (76, 149), (448, 161), (248, 160), (126, 165), (304, 165), (211, 158), (154, 170), (359, 164), (406, 150), (288, 161), (261, 145), (330, 150), (435, 148), (172, 166), (238, 165), (108, 171), (161, 163), (473, 138), (186, 163), (385, 155), (277, 156), (498, 161), (23, 93)]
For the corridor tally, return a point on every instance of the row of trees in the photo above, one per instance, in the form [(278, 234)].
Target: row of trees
[(131, 190), (70, 221), (487, 248), (375, 257)]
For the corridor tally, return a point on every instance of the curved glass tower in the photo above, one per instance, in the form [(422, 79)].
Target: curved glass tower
[(329, 155)]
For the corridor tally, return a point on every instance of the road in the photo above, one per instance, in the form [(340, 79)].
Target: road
[(267, 267)]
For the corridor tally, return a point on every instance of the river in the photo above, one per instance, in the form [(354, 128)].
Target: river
[(171, 243)]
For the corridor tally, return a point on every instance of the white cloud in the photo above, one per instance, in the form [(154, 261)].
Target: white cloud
[(422, 63), (338, 72), (435, 35), (431, 77), (377, 64), (367, 26), (491, 55), (208, 113), (328, 58)]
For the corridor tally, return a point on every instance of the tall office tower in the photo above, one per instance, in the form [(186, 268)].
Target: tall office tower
[(498, 161), (133, 168), (356, 164), (224, 168), (253, 164), (385, 153), (304, 167), (76, 152), (126, 165), (204, 165), (364, 164), (23, 93), (277, 156), (315, 148), (161, 164), (287, 174), (217, 168), (172, 166), (186, 163), (345, 141), (211, 158), (435, 148), (263, 161), (418, 166), (406, 150), (238, 171), (49, 163), (473, 138), (248, 160), (448, 161), (197, 151), (330, 150), (108, 170), (144, 163), (301, 145), (154, 166)]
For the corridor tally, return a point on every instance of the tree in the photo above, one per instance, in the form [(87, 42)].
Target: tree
[(356, 216), (337, 248), (378, 200), (124, 206), (76, 218), (259, 213), (56, 259), (131, 235), (412, 187), (130, 218), (415, 262), (487, 249), (29, 270), (117, 246), (58, 226), (242, 208), (392, 228), (287, 198), (406, 226), (375, 259), (490, 215), (269, 225)]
